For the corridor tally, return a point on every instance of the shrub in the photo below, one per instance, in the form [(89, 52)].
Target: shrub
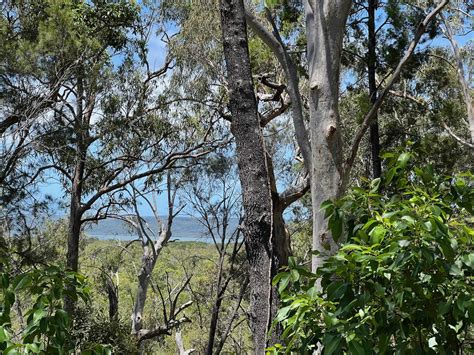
[(402, 281)]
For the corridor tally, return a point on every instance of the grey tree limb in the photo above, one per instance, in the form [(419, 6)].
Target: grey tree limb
[(275, 44)]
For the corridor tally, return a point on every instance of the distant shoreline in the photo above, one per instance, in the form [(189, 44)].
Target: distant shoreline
[(183, 229)]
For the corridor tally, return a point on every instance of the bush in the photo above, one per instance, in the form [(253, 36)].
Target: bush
[(402, 281), (47, 325)]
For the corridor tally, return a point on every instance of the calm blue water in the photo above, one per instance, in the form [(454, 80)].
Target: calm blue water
[(183, 229)]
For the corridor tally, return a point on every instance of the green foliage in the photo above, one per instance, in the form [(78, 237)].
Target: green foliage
[(401, 282), (46, 324), (91, 331)]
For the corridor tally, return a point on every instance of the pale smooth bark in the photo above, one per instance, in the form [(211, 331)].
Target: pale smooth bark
[(253, 171), (325, 27), (149, 259), (152, 245), (466, 90), (180, 344)]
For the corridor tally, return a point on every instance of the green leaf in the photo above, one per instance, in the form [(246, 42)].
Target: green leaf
[(5, 281), (369, 223), (292, 263), (335, 224), (336, 290), (468, 260), (408, 219), (374, 185), (326, 204), (331, 344), (313, 292), (455, 270), (295, 276), (22, 281), (404, 243), (284, 281), (34, 348), (403, 160), (356, 348), (351, 247), (4, 336), (377, 234), (390, 175), (277, 278), (12, 350), (39, 314), (283, 313)]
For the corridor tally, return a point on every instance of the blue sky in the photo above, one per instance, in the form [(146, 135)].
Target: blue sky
[(156, 58), (52, 187)]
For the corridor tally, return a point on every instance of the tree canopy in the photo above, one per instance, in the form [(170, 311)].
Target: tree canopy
[(318, 153)]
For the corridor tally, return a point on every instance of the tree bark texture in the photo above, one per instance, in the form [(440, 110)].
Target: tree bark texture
[(253, 172), (75, 212), (215, 311), (461, 76), (325, 26), (371, 70), (148, 264), (112, 295)]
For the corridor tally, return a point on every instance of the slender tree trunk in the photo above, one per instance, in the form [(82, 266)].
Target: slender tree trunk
[(281, 253), (465, 88), (180, 344), (280, 238), (144, 275), (325, 26), (112, 295), (75, 218), (74, 229), (253, 171), (75, 211), (281, 249), (371, 67), (217, 306)]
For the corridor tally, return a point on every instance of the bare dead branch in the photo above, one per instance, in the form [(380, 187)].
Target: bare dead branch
[(456, 137)]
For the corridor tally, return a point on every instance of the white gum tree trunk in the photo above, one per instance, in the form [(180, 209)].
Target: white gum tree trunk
[(325, 26)]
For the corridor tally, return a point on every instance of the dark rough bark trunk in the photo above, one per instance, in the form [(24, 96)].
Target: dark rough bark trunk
[(112, 295), (75, 223), (253, 171), (75, 212), (281, 253), (280, 247), (371, 67), (74, 229), (280, 237), (215, 312)]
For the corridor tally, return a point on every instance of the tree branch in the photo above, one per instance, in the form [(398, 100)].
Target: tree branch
[(294, 193), (393, 78), (275, 44), (456, 137)]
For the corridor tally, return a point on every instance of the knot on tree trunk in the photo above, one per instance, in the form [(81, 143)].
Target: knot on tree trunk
[(330, 131)]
